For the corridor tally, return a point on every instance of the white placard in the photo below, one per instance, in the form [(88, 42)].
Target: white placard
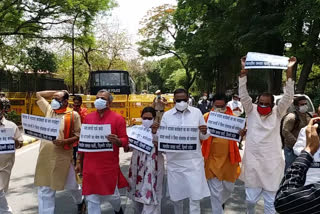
[(225, 126), (41, 127), (265, 61), (7, 144), (93, 138), (178, 138), (140, 138)]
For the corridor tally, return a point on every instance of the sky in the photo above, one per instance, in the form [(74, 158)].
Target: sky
[(130, 12)]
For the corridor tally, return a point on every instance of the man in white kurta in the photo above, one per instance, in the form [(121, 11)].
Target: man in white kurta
[(263, 162), (186, 175), (7, 159)]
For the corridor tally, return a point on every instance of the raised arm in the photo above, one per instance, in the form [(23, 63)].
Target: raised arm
[(45, 94), (245, 99), (286, 100)]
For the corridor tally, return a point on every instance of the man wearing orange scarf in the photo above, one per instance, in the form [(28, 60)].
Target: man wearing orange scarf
[(54, 170), (221, 161)]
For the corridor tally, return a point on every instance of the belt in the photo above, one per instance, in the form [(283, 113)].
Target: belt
[(160, 110)]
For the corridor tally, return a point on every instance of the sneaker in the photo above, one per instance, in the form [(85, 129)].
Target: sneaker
[(119, 212), (82, 208)]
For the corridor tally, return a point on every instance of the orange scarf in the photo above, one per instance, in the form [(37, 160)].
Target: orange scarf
[(234, 153), (68, 126)]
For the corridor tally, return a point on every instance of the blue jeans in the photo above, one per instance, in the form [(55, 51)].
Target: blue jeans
[(289, 157)]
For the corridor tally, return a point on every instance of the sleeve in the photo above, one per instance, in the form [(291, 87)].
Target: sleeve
[(122, 132), (17, 134), (245, 99), (301, 142), (44, 105), (292, 194), (288, 124), (203, 122), (287, 98), (77, 125)]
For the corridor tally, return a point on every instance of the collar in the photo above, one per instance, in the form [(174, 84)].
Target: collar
[(175, 111)]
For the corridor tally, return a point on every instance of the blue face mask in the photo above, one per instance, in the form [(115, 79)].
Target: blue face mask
[(55, 104), (100, 104)]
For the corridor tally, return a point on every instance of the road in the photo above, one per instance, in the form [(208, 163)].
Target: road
[(22, 195)]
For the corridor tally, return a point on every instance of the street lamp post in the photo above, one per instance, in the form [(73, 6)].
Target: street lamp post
[(72, 49)]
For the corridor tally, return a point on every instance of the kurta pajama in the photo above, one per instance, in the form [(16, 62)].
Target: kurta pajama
[(6, 164), (101, 171), (186, 176), (263, 161), (54, 163)]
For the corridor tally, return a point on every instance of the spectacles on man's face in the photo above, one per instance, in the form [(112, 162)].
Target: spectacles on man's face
[(180, 100), (147, 118)]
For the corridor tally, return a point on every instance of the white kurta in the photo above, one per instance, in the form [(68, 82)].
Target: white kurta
[(233, 104), (186, 176), (313, 173), (263, 161)]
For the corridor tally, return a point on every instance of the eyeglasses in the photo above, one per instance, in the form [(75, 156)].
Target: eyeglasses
[(147, 118), (180, 100)]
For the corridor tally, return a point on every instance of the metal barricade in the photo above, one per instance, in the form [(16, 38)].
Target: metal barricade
[(19, 102), (136, 104)]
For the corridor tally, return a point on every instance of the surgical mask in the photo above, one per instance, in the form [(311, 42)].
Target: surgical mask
[(205, 97), (303, 109), (147, 123), (264, 110), (55, 104), (100, 104), (219, 109), (181, 106)]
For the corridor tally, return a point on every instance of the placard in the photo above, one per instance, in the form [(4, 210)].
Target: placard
[(178, 138), (40, 127), (265, 61), (140, 138), (7, 144), (93, 138), (225, 126)]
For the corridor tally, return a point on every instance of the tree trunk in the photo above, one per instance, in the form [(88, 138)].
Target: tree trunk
[(308, 62)]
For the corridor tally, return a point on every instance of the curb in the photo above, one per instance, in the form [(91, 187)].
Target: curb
[(30, 141)]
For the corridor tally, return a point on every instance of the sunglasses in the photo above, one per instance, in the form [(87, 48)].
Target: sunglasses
[(180, 100)]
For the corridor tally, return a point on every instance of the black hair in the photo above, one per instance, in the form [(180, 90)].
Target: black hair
[(266, 94), (77, 97), (149, 109), (297, 99), (65, 95), (219, 97), (179, 91)]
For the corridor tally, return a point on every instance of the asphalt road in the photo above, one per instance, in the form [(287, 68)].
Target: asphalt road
[(22, 195)]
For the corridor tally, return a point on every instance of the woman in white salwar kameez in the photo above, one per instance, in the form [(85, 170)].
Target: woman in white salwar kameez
[(146, 172)]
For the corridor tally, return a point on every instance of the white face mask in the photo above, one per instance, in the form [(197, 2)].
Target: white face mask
[(181, 106), (205, 97), (220, 110), (303, 109), (100, 104), (147, 123), (55, 105)]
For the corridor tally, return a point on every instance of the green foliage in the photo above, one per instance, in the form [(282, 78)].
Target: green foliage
[(38, 59), (14, 117)]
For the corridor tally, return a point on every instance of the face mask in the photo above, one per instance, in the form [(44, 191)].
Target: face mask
[(158, 96), (303, 109), (147, 123), (55, 104), (181, 106), (205, 97), (220, 110), (100, 104), (264, 110)]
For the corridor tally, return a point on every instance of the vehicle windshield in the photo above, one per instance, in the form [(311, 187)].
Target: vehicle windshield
[(110, 79)]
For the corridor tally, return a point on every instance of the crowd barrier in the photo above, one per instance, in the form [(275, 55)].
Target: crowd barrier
[(129, 107)]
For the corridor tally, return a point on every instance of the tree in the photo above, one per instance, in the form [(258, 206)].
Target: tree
[(159, 31), (37, 17)]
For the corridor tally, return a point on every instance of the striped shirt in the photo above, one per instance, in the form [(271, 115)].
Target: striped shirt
[(293, 197)]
